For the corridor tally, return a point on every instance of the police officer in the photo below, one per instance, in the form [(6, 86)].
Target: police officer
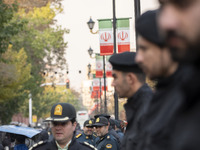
[(129, 82), (105, 141), (63, 119), (111, 128), (87, 134)]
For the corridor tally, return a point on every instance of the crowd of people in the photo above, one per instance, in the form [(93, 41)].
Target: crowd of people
[(165, 118)]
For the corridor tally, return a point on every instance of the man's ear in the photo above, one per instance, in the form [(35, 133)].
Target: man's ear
[(131, 78), (74, 125)]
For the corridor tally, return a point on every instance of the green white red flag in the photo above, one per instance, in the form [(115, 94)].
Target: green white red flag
[(123, 35), (105, 37), (108, 67), (99, 66)]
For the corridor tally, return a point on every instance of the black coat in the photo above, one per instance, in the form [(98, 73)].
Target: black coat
[(135, 108), (74, 145), (162, 113), (186, 135)]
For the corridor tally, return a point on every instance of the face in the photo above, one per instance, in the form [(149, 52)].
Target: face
[(63, 131), (101, 131), (180, 24), (88, 130), (153, 60), (120, 83)]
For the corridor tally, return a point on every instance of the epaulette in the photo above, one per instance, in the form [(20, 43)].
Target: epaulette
[(91, 146), (94, 135), (37, 144), (78, 135)]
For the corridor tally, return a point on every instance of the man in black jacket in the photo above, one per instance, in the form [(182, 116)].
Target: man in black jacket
[(129, 82), (180, 25), (63, 119)]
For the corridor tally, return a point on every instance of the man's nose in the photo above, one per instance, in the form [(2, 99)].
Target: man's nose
[(168, 18)]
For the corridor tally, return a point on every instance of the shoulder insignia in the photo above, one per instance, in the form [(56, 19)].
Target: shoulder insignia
[(94, 135), (109, 146), (91, 146), (78, 135), (108, 137), (37, 144)]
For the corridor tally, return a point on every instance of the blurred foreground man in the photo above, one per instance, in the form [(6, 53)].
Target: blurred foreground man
[(87, 134), (105, 141), (129, 82), (156, 61), (63, 119), (180, 25)]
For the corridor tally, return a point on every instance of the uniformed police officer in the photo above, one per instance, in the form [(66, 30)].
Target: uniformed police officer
[(87, 134), (105, 141), (129, 82), (63, 119)]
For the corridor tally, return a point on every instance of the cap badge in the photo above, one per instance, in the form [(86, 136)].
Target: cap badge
[(109, 146), (97, 120), (90, 122), (58, 110)]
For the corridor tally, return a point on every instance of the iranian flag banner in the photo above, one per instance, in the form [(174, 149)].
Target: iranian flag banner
[(96, 84), (105, 37), (99, 66), (102, 85), (123, 35), (108, 67)]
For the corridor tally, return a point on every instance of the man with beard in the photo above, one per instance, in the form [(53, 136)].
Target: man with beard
[(105, 140), (87, 134), (180, 25), (129, 82), (63, 119), (155, 60)]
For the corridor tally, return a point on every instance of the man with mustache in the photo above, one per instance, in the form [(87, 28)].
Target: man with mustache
[(63, 119), (179, 21)]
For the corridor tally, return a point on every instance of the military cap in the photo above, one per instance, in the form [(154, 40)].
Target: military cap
[(88, 123), (125, 62), (62, 112), (101, 121), (102, 115), (147, 27)]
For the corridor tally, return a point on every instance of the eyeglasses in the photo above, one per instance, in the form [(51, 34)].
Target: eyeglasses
[(55, 123)]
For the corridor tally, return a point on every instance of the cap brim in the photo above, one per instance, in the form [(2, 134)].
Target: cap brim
[(57, 119), (89, 125), (99, 124)]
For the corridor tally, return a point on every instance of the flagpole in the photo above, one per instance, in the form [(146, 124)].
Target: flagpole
[(137, 14), (115, 51)]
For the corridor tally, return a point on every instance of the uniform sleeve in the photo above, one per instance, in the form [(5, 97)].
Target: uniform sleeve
[(111, 145)]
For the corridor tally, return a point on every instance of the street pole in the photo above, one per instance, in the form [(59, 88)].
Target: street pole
[(137, 15), (100, 96), (30, 109), (104, 78), (115, 51)]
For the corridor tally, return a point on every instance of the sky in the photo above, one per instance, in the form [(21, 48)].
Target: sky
[(75, 16)]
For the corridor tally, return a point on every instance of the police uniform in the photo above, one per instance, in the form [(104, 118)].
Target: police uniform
[(87, 138), (62, 112), (106, 142), (137, 105)]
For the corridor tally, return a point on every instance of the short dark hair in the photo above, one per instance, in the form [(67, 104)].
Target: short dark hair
[(140, 76)]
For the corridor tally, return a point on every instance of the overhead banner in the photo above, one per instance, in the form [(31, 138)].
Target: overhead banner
[(123, 35), (108, 67), (99, 66), (105, 37)]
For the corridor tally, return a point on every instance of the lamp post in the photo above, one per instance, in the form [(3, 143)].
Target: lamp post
[(137, 14), (90, 51)]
